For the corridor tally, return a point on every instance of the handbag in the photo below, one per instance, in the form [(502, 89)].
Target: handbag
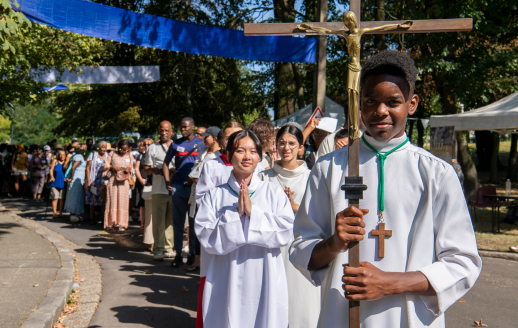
[(106, 175)]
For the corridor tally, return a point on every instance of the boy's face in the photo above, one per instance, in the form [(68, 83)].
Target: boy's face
[(385, 104)]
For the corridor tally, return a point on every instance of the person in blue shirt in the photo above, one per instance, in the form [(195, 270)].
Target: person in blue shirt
[(180, 186)]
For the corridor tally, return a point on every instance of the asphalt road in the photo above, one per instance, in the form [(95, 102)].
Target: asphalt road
[(161, 297), (167, 297)]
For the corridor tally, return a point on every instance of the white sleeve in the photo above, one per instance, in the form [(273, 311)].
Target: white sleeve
[(327, 146), (313, 223), (458, 263), (204, 183), (218, 235), (148, 158), (271, 223)]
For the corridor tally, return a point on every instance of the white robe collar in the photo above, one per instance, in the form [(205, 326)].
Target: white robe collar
[(385, 146), (253, 186), (301, 169)]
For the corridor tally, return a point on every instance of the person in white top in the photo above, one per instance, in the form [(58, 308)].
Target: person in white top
[(292, 176), (210, 151), (243, 224), (428, 257), (162, 212)]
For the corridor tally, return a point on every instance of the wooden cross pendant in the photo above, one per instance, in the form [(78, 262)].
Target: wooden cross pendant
[(381, 233)]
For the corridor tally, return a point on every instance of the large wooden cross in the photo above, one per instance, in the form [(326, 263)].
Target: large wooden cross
[(353, 185)]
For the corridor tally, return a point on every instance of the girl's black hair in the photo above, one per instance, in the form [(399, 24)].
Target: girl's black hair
[(291, 130), (233, 142)]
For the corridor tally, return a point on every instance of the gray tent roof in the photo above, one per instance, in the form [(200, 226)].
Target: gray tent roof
[(500, 116), (302, 116)]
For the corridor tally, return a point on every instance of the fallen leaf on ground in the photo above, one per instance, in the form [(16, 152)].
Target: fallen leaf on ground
[(36, 285), (462, 302), (34, 253), (480, 324), (4, 283), (146, 271), (185, 289), (83, 279)]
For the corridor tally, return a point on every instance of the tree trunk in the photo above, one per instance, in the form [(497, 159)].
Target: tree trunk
[(468, 168), (511, 165), (284, 102), (299, 83), (189, 78), (284, 90), (494, 157), (410, 130), (420, 135), (379, 39), (484, 145)]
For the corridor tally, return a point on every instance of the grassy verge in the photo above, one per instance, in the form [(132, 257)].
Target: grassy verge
[(486, 240)]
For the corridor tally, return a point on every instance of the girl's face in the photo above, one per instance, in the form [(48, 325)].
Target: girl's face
[(62, 156), (142, 148), (245, 158), (288, 147), (40, 151)]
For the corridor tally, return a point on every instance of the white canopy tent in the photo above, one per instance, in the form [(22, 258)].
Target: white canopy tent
[(302, 116), (500, 116)]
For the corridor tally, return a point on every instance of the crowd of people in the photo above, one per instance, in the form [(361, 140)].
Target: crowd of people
[(264, 215)]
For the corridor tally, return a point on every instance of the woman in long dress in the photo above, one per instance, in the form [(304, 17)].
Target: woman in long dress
[(120, 163), (243, 224), (292, 176), (94, 181), (75, 201)]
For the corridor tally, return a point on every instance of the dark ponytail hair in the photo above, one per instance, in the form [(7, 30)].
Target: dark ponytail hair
[(233, 142), (294, 131)]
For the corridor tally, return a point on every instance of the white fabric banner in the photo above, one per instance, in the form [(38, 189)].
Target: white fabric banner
[(101, 75)]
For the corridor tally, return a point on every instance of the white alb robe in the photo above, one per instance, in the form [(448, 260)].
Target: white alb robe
[(431, 233), (303, 296), (245, 284)]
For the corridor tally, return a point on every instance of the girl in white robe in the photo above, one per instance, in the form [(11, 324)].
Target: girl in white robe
[(243, 224), (292, 176)]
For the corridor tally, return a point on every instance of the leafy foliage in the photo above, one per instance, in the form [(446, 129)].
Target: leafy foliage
[(29, 46)]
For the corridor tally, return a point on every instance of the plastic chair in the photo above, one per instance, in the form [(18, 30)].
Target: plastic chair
[(484, 202)]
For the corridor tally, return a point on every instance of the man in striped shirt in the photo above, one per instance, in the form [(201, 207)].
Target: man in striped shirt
[(180, 184)]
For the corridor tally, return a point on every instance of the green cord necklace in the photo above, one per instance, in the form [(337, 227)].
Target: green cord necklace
[(235, 193), (381, 184)]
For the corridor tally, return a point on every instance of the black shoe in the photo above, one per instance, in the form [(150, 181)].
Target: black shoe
[(190, 259), (177, 262)]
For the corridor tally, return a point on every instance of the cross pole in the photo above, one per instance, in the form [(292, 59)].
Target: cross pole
[(353, 185)]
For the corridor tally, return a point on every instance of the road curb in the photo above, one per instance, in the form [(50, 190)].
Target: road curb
[(48, 311), (500, 255)]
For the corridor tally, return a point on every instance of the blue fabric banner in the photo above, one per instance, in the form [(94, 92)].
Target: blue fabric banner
[(125, 26)]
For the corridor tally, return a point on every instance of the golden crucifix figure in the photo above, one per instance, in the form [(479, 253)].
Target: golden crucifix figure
[(352, 37)]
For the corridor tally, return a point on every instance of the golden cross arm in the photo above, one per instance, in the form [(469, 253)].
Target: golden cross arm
[(419, 26)]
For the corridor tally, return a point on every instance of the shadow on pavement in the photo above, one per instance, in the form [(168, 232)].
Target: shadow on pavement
[(136, 289)]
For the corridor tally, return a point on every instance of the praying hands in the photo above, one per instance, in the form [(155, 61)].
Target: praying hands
[(244, 204), (290, 193)]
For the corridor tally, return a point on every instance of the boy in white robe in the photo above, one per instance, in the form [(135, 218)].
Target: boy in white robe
[(431, 259)]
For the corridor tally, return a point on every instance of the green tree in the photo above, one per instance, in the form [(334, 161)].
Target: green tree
[(27, 46), (33, 124)]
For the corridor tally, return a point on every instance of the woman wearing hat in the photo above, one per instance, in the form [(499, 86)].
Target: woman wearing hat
[(20, 167)]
